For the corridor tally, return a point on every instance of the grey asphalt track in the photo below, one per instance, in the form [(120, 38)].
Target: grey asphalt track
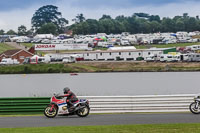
[(104, 119)]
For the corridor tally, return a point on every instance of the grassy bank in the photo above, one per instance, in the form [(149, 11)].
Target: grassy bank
[(154, 128), (85, 67), (28, 45), (166, 45), (4, 47)]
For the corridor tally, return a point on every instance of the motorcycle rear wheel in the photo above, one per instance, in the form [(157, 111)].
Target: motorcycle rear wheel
[(193, 110), (83, 112), (50, 114)]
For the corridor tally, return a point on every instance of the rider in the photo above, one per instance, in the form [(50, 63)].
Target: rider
[(71, 97)]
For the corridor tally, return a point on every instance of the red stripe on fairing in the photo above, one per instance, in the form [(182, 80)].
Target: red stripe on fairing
[(57, 100), (76, 101)]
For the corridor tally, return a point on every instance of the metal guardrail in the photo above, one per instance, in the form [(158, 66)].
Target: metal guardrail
[(22, 105), (146, 103), (104, 104)]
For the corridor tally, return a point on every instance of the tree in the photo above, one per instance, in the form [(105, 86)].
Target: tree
[(191, 24), (11, 32), (137, 23), (155, 26), (93, 26), (143, 25), (133, 25), (119, 27), (48, 28), (30, 32), (62, 25), (48, 14), (154, 18), (180, 25), (120, 18), (168, 25), (2, 32), (185, 15), (105, 17), (22, 30), (79, 18), (107, 25)]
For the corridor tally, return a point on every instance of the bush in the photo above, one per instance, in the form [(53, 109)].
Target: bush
[(139, 58)]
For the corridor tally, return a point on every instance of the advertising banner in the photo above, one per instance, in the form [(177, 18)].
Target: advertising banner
[(49, 47)]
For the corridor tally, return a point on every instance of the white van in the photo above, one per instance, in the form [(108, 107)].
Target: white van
[(176, 58), (69, 59), (150, 58), (9, 61)]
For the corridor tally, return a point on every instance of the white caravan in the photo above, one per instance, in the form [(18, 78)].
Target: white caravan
[(169, 58)]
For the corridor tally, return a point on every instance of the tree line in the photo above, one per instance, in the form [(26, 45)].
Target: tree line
[(47, 19), (137, 23)]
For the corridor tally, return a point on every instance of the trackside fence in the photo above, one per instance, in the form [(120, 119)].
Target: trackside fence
[(23, 105), (104, 104)]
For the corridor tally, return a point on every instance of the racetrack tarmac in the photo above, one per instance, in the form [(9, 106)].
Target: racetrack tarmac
[(103, 119)]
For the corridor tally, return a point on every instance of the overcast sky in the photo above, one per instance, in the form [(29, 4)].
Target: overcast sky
[(14, 13)]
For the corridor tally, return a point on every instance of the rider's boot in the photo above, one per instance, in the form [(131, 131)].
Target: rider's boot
[(71, 108)]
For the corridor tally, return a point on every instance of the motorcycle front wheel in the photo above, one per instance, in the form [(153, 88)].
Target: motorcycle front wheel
[(83, 112), (50, 112), (193, 109)]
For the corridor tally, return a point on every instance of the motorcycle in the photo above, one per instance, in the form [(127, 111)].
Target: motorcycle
[(195, 106), (58, 106)]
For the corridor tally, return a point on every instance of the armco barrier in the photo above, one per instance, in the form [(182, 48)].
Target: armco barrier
[(23, 105), (146, 103), (104, 104)]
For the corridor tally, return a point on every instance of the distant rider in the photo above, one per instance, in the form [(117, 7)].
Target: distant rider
[(71, 98)]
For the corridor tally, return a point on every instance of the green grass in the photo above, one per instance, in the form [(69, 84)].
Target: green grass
[(34, 68), (166, 45), (153, 128), (28, 45), (4, 47), (99, 67)]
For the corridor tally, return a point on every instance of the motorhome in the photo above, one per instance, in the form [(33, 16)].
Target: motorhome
[(193, 47), (124, 42), (44, 59), (184, 57), (169, 58), (37, 59), (102, 43), (194, 57)]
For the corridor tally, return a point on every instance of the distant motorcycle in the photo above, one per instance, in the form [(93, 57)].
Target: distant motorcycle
[(195, 106), (58, 106)]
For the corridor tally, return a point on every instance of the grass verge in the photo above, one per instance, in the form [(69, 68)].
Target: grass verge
[(150, 128), (86, 67), (4, 47), (28, 45), (166, 45)]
